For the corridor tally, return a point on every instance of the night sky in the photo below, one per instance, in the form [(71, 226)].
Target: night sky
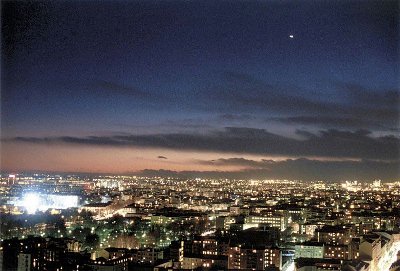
[(255, 89)]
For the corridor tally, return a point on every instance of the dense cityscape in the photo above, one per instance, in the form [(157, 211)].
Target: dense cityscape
[(77, 222), (162, 135)]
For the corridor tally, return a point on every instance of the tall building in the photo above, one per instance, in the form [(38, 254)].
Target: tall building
[(25, 262)]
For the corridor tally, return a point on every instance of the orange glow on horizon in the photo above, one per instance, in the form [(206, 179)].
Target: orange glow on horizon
[(98, 159)]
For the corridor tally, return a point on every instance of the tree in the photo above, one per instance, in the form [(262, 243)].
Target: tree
[(92, 240)]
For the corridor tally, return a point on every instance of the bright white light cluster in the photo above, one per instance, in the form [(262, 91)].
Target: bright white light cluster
[(389, 257), (41, 202)]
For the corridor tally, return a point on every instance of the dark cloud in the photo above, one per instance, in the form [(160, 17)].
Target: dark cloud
[(385, 97), (352, 106), (236, 162), (329, 121), (293, 169), (187, 123), (380, 104), (244, 91), (161, 157), (349, 122), (327, 143), (113, 88), (110, 89), (236, 117)]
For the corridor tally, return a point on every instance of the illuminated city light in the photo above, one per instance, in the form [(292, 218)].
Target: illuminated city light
[(34, 202)]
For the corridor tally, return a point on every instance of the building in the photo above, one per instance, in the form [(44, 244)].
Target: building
[(25, 262), (334, 235), (277, 221), (147, 255), (100, 209), (38, 254), (370, 250), (310, 250), (204, 262), (116, 264), (253, 258), (337, 252), (314, 264)]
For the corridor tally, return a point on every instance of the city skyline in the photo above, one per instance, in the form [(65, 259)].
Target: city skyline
[(278, 90)]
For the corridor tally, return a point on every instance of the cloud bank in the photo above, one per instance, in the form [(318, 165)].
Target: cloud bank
[(292, 169), (359, 144)]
